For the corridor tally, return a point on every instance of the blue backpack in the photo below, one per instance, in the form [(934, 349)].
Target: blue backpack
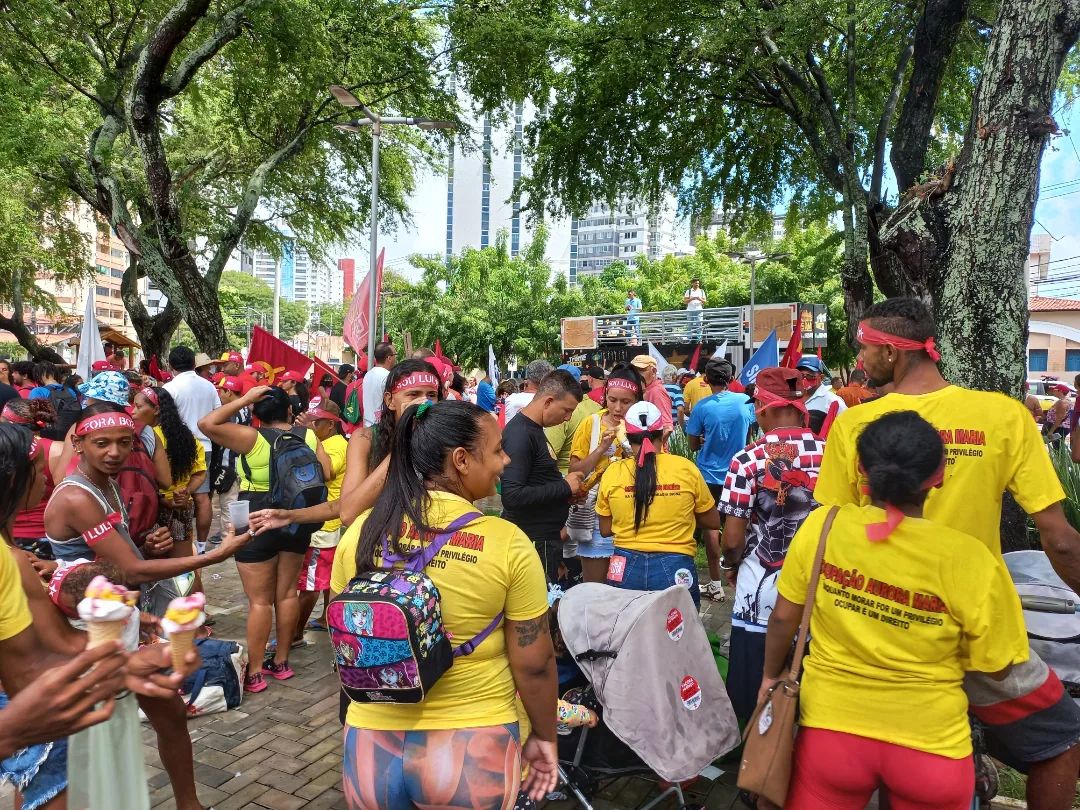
[(217, 670), (387, 631), (296, 477)]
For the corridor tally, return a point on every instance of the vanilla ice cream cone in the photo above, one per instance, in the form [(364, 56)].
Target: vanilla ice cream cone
[(102, 632), (181, 644)]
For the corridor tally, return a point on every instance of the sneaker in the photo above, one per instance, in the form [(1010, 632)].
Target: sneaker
[(281, 672), (254, 683), (714, 591)]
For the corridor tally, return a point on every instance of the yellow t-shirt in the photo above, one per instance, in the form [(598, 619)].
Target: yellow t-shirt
[(14, 612), (695, 391), (259, 462), (487, 567), (582, 445), (669, 524), (896, 624), (337, 447), (198, 467), (561, 437), (991, 445)]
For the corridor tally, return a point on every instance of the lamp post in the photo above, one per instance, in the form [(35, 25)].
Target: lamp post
[(752, 257), (347, 99)]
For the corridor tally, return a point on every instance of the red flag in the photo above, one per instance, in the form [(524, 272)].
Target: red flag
[(793, 352), (323, 370), (277, 353), (695, 358), (356, 322)]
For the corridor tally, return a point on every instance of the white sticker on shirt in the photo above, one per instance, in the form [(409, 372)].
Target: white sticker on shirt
[(684, 577)]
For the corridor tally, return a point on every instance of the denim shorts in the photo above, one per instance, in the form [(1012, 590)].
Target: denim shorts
[(599, 547), (653, 571), (39, 772)]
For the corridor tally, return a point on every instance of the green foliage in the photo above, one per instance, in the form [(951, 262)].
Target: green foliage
[(12, 351), (1069, 474), (246, 300)]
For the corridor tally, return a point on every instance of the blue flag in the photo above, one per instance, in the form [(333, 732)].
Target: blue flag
[(767, 356)]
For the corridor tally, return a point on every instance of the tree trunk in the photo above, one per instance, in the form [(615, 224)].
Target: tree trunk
[(154, 331), (28, 340), (969, 243)]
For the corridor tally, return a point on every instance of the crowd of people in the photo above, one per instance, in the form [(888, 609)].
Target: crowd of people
[(891, 485)]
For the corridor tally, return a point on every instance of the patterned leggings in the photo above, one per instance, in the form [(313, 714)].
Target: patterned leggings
[(472, 768)]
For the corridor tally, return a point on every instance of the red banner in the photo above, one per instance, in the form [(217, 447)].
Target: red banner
[(277, 353), (356, 322), (793, 352), (323, 369)]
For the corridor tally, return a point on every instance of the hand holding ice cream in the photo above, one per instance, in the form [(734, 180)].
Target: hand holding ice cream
[(106, 608), (182, 618)]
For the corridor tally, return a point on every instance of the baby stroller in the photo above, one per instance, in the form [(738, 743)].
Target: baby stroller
[(652, 680)]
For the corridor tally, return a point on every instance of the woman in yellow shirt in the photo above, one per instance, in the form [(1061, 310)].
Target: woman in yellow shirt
[(598, 441), (651, 503), (460, 746), (903, 608)]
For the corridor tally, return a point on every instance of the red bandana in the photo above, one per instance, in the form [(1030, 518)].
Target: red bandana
[(104, 421), (418, 379), (874, 337), (767, 399)]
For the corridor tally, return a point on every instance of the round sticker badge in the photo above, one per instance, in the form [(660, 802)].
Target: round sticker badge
[(684, 577), (690, 693), (674, 624)]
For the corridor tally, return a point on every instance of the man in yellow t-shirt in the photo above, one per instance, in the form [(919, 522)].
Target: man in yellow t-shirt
[(695, 391), (324, 419), (991, 446)]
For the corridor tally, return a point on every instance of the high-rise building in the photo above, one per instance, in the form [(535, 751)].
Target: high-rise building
[(302, 279), (626, 235), (721, 221)]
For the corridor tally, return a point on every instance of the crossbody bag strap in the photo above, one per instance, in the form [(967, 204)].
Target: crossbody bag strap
[(811, 590), (470, 645)]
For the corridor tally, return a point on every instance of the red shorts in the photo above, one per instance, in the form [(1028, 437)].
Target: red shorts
[(915, 780), (315, 573)]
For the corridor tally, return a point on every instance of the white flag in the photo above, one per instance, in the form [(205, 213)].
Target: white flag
[(493, 371), (90, 348), (721, 352), (661, 361)]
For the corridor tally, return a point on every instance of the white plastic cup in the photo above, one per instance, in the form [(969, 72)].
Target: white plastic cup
[(238, 516)]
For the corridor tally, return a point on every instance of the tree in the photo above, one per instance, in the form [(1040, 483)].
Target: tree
[(737, 104), (247, 301), (190, 125)]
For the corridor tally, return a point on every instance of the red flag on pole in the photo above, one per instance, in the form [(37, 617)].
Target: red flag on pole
[(277, 353), (356, 322), (695, 358), (324, 369), (793, 352)]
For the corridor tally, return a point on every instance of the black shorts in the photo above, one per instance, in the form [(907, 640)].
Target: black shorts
[(715, 490), (264, 547)]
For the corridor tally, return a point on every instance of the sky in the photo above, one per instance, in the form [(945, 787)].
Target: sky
[(1057, 213)]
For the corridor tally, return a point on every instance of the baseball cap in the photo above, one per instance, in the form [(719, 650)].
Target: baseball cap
[(203, 359), (719, 369), (233, 384), (643, 361), (316, 411), (108, 386), (643, 417), (780, 382), (572, 370), (596, 372), (809, 362), (293, 376), (254, 368), (361, 363), (232, 357), (103, 365)]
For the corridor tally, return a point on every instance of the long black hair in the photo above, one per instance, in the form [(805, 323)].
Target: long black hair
[(179, 440), (16, 470), (422, 441), (273, 406), (625, 371), (645, 477), (899, 453), (384, 428)]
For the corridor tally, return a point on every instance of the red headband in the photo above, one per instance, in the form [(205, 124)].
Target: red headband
[(104, 421), (15, 419), (151, 395), (875, 337), (418, 379), (56, 582), (767, 399), (877, 532), (625, 385)]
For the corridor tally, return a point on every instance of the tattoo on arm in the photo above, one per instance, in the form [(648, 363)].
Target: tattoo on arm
[(529, 631)]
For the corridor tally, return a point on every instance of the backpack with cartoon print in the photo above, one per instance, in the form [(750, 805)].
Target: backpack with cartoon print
[(386, 628)]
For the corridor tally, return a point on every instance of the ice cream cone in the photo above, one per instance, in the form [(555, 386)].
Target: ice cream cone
[(101, 632), (181, 644)]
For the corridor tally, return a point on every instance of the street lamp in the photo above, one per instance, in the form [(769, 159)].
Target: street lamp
[(347, 99), (754, 256)]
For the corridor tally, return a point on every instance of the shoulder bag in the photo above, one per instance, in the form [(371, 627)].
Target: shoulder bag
[(769, 737)]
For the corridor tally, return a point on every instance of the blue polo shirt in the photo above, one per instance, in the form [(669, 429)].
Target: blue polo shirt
[(722, 420)]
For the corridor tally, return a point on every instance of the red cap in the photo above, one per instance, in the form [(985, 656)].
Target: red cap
[(233, 384), (315, 412), (103, 365), (291, 375), (361, 363), (216, 378), (255, 368), (232, 357)]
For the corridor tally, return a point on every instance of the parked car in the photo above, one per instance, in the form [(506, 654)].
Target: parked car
[(1040, 388)]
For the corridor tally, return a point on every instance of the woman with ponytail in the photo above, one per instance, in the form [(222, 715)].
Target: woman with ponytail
[(463, 739), (903, 608), (651, 503), (599, 441)]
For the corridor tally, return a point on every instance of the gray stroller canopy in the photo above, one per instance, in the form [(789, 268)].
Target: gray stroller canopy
[(652, 669)]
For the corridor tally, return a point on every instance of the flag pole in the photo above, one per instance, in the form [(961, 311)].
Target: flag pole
[(277, 297)]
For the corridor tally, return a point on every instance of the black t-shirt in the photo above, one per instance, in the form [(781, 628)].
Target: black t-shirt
[(7, 392), (534, 495), (337, 394)]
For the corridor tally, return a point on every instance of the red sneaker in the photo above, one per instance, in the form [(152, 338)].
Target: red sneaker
[(281, 672), (255, 683)]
